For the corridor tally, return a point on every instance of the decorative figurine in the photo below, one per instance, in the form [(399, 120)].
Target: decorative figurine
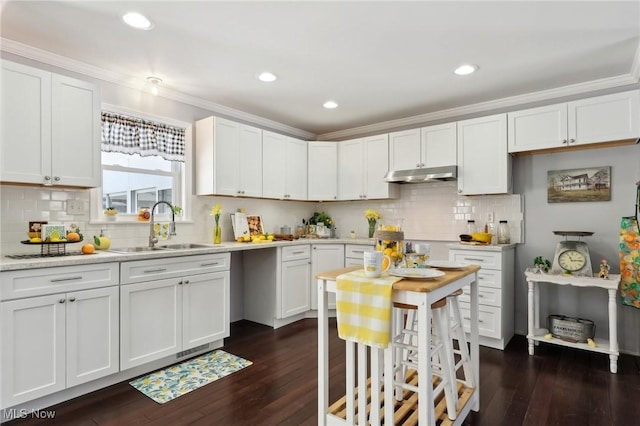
[(604, 269)]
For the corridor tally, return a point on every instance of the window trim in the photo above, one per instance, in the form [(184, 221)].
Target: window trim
[(183, 190)]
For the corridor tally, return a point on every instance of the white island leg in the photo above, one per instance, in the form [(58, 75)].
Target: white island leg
[(613, 331), (323, 353)]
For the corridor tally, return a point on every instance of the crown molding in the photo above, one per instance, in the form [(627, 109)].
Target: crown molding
[(635, 65), (545, 95), (33, 53)]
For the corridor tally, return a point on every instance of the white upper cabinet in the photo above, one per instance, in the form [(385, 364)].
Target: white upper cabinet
[(404, 150), (438, 145), (323, 171), (47, 119), (587, 121), (432, 146), (484, 165), (228, 158), (284, 167), (362, 165)]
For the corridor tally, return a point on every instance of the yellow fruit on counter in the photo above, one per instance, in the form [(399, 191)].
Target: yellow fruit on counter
[(270, 237), (257, 241), (262, 237), (35, 240), (102, 242), (246, 238), (240, 239)]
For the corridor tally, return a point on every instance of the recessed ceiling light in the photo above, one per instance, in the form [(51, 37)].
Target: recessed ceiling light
[(330, 105), (267, 77), (465, 69), (137, 20), (155, 82)]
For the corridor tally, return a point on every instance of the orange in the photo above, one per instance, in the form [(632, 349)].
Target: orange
[(73, 236), (88, 249)]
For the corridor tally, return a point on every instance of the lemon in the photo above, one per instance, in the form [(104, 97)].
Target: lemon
[(270, 238), (387, 251), (35, 240), (246, 238), (262, 237)]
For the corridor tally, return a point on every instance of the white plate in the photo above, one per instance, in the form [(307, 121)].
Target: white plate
[(445, 264), (416, 274)]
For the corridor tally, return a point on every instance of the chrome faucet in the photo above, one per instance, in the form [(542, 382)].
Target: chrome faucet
[(172, 227)]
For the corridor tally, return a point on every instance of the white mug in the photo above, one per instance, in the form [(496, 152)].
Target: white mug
[(373, 263)]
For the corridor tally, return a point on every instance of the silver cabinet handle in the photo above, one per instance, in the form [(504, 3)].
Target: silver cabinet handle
[(298, 252), (61, 301), (209, 264), (186, 281), (473, 258), (469, 319), (149, 271), (564, 141), (358, 251), (572, 140), (72, 299), (47, 178), (180, 282), (56, 178), (57, 280)]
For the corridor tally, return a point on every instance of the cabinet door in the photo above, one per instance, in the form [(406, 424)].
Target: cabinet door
[(75, 132), (33, 348), (351, 170), (150, 321), (295, 287), (605, 118), (93, 337), (250, 157), (226, 160), (25, 124), (439, 145), (323, 171), (537, 128), (376, 166), (274, 175), (205, 312), (296, 169), (325, 257), (404, 150), (484, 166)]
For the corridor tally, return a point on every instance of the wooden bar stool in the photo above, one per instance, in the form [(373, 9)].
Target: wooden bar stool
[(405, 347)]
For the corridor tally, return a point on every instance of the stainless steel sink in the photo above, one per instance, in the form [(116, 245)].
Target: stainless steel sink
[(183, 246), (137, 249)]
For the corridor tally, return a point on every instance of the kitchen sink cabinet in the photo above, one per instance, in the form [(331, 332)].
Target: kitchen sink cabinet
[(284, 167), (484, 165), (588, 121), (228, 158), (172, 305), (324, 257), (54, 340), (362, 165), (322, 171), (46, 120)]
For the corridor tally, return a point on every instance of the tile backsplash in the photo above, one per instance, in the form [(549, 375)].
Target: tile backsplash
[(431, 212)]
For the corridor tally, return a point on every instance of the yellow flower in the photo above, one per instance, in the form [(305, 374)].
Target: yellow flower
[(216, 210), (372, 215)]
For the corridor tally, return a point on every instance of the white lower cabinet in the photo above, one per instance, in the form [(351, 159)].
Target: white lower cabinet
[(325, 257), (54, 341), (495, 292), (164, 316), (295, 287)]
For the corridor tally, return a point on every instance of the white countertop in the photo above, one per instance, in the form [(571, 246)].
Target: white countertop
[(100, 256), (488, 247)]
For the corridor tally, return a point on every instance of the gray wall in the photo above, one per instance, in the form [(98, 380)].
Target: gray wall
[(602, 218)]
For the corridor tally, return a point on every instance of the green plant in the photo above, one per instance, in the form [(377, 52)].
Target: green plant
[(177, 210), (321, 217), (541, 263)]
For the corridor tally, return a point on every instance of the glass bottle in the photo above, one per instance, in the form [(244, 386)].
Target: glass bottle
[(503, 233), (471, 227)]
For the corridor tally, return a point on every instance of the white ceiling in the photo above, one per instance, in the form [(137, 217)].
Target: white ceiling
[(381, 61)]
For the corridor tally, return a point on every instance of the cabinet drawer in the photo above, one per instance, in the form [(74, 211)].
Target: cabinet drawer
[(147, 270), (490, 278), (296, 252), (487, 260), (356, 251), (40, 282), (486, 296), (489, 324)]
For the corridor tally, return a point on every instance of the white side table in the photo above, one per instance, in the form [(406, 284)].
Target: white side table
[(535, 334)]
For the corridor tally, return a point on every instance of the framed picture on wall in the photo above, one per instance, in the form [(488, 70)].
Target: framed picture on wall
[(579, 185)]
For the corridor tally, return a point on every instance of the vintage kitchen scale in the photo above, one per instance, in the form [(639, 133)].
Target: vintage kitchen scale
[(572, 257)]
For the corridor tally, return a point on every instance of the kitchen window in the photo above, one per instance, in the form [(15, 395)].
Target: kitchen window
[(141, 167)]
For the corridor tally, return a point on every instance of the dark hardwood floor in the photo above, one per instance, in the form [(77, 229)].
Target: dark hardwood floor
[(557, 386)]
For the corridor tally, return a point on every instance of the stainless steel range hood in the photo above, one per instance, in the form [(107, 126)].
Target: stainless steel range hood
[(429, 174)]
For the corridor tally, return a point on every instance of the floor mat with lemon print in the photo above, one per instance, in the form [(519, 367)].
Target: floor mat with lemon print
[(167, 384)]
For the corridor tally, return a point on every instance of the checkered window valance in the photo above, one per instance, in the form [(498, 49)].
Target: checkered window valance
[(129, 135)]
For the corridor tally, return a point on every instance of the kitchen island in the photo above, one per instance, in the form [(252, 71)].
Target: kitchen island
[(418, 293)]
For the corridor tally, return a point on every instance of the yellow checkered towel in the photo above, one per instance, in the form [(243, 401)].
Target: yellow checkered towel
[(363, 308)]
